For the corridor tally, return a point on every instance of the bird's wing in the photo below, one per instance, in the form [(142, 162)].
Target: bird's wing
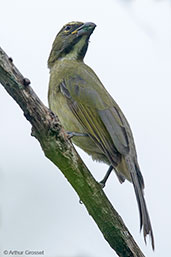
[(98, 116)]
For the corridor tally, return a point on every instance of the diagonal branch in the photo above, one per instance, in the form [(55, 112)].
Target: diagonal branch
[(58, 148)]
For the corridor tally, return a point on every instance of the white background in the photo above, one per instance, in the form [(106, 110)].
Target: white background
[(130, 50)]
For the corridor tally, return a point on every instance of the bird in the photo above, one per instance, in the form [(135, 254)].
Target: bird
[(89, 114)]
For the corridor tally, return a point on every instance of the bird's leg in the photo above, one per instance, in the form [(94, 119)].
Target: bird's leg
[(76, 134), (103, 181)]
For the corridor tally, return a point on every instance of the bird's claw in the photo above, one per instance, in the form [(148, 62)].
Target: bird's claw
[(75, 134), (102, 184)]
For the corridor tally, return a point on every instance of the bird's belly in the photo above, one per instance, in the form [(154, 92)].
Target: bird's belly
[(88, 145), (60, 107)]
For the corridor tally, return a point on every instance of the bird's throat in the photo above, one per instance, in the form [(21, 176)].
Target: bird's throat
[(78, 51)]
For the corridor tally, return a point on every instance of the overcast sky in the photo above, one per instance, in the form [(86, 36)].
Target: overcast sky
[(130, 50)]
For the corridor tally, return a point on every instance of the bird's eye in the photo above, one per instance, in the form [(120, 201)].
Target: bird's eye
[(67, 28)]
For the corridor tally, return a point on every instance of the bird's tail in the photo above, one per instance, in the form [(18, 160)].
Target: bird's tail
[(138, 184)]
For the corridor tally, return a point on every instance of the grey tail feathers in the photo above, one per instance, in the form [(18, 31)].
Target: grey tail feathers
[(145, 223)]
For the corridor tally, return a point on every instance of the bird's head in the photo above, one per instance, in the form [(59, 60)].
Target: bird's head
[(71, 42)]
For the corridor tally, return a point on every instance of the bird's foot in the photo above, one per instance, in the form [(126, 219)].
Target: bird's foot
[(76, 134), (103, 181), (102, 184)]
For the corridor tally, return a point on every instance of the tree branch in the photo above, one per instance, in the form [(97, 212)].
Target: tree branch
[(58, 148)]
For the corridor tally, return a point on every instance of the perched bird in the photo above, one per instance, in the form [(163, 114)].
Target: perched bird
[(90, 115)]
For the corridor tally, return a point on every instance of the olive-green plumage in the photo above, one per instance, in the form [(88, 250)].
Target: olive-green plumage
[(84, 106)]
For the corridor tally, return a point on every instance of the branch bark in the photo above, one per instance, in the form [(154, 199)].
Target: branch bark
[(58, 148)]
